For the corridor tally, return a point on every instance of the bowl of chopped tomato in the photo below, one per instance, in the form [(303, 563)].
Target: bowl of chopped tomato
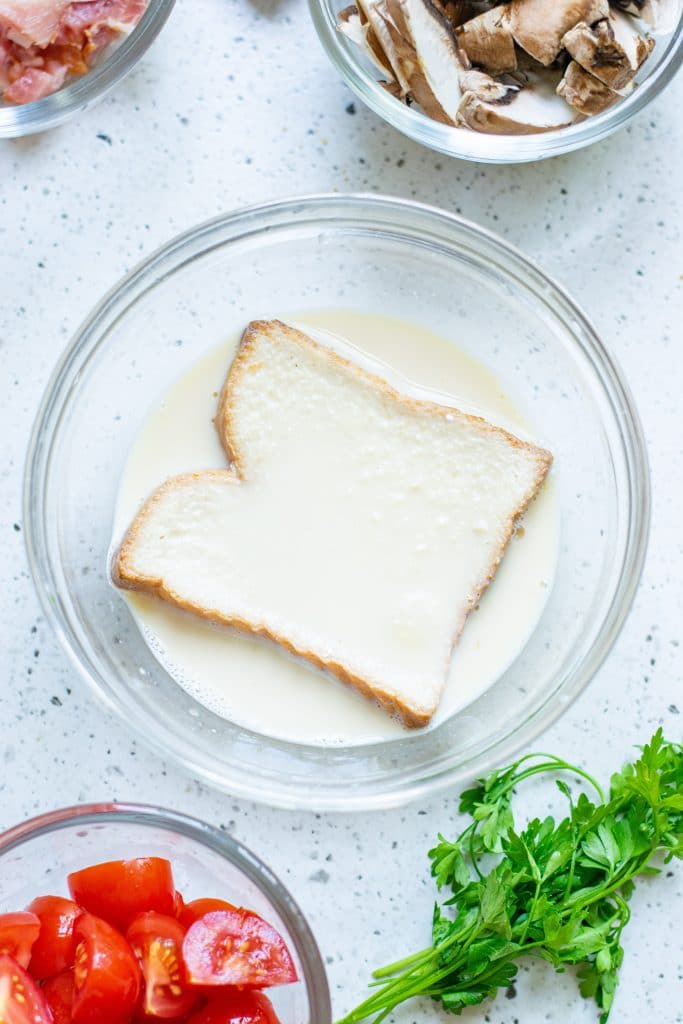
[(124, 914)]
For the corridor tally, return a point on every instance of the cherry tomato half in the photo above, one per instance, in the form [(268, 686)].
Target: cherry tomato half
[(121, 889), (59, 995), (18, 932), (53, 950), (157, 942), (236, 947), (192, 911), (237, 1008), (21, 1001), (106, 974)]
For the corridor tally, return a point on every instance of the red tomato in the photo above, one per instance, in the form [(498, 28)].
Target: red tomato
[(192, 911), (18, 932), (121, 889), (236, 947), (106, 974), (157, 941), (59, 995), (178, 904), (54, 948), (237, 1008), (21, 1001)]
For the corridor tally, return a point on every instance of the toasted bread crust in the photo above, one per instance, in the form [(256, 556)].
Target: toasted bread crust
[(124, 574)]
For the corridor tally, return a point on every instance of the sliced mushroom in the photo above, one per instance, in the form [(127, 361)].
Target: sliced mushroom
[(387, 40), (661, 15), (487, 88), (539, 26), (488, 41), (440, 59), (360, 32), (350, 25), (388, 16), (612, 50), (395, 13), (584, 92), (377, 54), (393, 88), (527, 111), (494, 65), (457, 12)]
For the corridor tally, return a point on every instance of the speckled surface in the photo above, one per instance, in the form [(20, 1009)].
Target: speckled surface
[(236, 103)]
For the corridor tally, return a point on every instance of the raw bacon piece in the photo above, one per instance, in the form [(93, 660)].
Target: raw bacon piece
[(35, 83), (31, 22), (90, 15), (6, 62)]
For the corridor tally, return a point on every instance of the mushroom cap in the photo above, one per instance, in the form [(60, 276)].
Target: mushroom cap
[(539, 26), (584, 91), (611, 50), (488, 41)]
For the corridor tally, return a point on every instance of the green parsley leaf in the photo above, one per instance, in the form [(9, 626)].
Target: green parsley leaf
[(557, 891)]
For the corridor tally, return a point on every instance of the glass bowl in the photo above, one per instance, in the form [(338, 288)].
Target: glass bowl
[(373, 254), (37, 856), (465, 144), (84, 91)]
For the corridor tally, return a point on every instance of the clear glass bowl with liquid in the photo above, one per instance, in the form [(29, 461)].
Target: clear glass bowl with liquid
[(377, 255)]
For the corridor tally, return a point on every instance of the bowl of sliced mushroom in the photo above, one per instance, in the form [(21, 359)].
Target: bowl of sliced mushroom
[(506, 80)]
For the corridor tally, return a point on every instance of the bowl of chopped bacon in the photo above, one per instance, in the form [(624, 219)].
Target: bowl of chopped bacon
[(58, 57)]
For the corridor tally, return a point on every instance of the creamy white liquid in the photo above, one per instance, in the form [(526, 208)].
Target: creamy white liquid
[(253, 682)]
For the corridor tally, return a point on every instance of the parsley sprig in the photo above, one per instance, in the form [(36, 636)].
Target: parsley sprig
[(556, 891)]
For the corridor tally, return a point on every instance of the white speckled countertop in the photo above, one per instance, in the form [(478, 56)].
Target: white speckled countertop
[(236, 103)]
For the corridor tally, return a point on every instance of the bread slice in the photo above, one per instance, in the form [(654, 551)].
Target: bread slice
[(355, 526)]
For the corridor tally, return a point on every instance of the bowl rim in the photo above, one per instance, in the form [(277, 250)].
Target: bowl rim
[(201, 832), (464, 144), (284, 212), (26, 119)]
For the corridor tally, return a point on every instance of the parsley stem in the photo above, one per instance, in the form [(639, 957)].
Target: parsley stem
[(553, 764), (530, 914), (399, 965)]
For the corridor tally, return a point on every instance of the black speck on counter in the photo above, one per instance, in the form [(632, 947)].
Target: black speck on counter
[(103, 137), (673, 709), (350, 108)]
